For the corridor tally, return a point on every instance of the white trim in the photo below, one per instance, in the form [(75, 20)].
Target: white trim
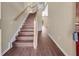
[(9, 47), (35, 33), (57, 44)]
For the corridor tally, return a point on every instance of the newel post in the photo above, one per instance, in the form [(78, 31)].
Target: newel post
[(35, 42)]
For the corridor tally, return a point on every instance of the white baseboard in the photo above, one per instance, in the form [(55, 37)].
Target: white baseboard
[(57, 45), (9, 47)]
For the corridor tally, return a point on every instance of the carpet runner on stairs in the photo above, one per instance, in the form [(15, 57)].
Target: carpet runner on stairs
[(26, 34)]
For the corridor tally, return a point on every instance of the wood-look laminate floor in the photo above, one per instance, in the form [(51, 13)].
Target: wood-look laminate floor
[(46, 47)]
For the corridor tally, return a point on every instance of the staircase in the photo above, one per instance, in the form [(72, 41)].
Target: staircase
[(26, 34)]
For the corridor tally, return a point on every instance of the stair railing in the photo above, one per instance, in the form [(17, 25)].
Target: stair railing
[(24, 10), (20, 14), (33, 8)]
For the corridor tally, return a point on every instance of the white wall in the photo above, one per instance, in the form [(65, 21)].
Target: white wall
[(60, 25)]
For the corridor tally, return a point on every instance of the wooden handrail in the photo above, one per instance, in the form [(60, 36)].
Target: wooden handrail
[(25, 10), (20, 14)]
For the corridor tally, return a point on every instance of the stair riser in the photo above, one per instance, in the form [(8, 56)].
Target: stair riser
[(23, 44), (77, 28), (28, 27), (30, 22), (27, 30), (26, 33), (25, 38)]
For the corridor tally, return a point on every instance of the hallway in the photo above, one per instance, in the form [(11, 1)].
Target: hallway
[(46, 47), (23, 45), (20, 30)]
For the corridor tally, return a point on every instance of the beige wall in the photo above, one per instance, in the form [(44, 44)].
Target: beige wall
[(0, 10), (8, 25), (0, 28), (0, 41), (39, 19), (60, 23), (0, 13), (45, 19)]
